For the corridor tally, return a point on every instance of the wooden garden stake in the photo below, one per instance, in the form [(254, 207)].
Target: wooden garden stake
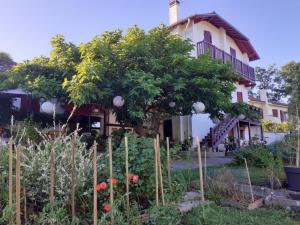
[(10, 172), (200, 169), (156, 173), (18, 187), (127, 176), (169, 163), (160, 171), (249, 180), (95, 213), (205, 167), (25, 205), (73, 146), (111, 190), (52, 175)]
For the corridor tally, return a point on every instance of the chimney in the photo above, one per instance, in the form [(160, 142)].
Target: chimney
[(174, 7), (263, 95)]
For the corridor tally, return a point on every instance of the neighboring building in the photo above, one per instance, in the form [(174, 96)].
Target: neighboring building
[(272, 110), (210, 32)]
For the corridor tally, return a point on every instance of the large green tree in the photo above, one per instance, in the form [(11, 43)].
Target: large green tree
[(148, 69), (269, 79)]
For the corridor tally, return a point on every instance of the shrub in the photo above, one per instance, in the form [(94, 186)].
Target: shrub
[(165, 215), (270, 126), (256, 156), (53, 214), (141, 163), (36, 172), (3, 176)]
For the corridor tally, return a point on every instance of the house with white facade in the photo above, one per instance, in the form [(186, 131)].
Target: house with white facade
[(211, 33), (273, 111)]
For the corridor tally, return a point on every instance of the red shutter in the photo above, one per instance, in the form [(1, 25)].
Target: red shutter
[(239, 96), (232, 52), (207, 37), (275, 112)]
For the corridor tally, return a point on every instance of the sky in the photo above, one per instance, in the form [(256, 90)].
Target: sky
[(26, 26)]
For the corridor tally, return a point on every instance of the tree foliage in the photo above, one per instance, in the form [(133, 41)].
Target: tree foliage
[(43, 76), (269, 79), (148, 69)]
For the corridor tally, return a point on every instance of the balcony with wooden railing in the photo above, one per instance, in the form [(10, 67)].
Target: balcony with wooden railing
[(246, 73)]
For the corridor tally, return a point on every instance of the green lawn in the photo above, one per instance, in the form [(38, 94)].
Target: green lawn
[(216, 215)]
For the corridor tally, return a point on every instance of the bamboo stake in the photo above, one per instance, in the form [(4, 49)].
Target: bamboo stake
[(205, 168), (95, 213), (169, 163), (200, 169), (111, 190), (52, 175), (160, 170), (249, 180), (127, 176), (18, 187), (10, 173), (25, 206), (156, 173), (73, 176)]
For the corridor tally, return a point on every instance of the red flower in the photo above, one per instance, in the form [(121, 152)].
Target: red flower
[(101, 186), (106, 208), (114, 181), (135, 179)]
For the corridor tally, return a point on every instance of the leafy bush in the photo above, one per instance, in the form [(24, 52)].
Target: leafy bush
[(53, 214), (141, 163), (36, 167), (165, 215), (3, 177), (270, 126), (287, 148), (256, 156)]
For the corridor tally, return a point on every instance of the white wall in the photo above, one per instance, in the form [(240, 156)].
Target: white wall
[(240, 88), (272, 137), (195, 32), (201, 124)]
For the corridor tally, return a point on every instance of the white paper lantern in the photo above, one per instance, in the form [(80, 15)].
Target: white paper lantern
[(118, 101), (47, 107), (172, 104), (199, 107), (241, 117)]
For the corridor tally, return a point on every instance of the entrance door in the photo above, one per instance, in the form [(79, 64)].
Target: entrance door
[(168, 131)]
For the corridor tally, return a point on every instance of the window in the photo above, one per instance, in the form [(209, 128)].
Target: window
[(232, 52), (239, 96), (275, 112), (207, 37), (283, 116)]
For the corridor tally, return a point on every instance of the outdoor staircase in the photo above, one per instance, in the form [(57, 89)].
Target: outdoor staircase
[(217, 134)]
